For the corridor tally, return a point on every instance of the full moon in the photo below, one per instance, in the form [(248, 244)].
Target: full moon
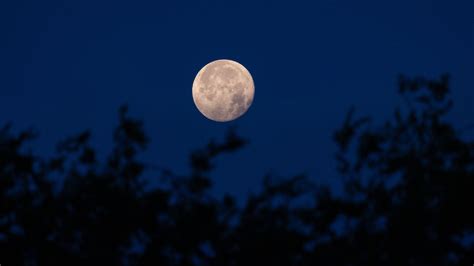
[(223, 90)]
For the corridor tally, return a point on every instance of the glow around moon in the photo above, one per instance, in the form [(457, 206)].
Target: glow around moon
[(223, 90)]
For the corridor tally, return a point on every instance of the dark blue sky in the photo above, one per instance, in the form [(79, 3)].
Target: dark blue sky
[(68, 65)]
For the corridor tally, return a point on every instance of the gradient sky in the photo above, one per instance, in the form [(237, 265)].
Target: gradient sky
[(68, 65)]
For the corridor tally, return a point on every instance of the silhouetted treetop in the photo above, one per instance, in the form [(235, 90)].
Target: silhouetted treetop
[(406, 201)]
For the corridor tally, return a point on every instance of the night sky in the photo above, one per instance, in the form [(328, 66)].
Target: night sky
[(66, 66)]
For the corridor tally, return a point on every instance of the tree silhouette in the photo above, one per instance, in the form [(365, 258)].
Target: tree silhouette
[(407, 199), (410, 181)]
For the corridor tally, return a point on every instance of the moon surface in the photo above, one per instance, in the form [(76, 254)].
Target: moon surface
[(223, 90)]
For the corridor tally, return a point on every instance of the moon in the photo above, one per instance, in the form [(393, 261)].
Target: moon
[(223, 90)]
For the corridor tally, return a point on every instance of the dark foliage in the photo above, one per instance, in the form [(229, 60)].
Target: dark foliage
[(407, 200)]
